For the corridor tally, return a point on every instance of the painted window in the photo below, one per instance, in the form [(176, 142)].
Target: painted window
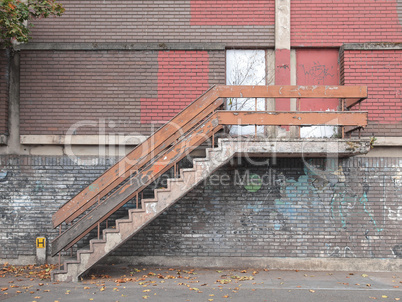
[(318, 67)]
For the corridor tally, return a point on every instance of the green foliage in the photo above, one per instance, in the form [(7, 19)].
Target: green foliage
[(14, 15)]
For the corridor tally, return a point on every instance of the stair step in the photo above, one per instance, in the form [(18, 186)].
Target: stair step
[(126, 219), (138, 218), (149, 200), (139, 210)]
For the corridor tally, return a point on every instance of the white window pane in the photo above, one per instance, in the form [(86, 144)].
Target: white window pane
[(245, 67)]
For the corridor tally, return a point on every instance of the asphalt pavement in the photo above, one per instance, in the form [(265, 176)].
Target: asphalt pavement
[(127, 283)]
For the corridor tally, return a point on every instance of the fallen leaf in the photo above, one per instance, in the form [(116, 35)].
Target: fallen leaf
[(312, 291), (145, 297), (210, 299), (4, 289), (38, 297), (364, 275), (211, 295), (102, 289), (384, 296), (397, 299), (243, 271), (226, 296), (146, 290), (86, 287)]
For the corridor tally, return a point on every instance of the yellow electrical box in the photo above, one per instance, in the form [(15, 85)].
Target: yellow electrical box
[(40, 242)]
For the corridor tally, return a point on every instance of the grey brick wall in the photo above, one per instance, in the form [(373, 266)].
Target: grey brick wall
[(31, 190), (316, 208), (351, 210)]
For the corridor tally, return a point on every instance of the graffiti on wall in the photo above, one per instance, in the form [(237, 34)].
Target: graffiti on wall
[(341, 197)]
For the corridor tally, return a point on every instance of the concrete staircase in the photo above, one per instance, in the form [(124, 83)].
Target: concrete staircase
[(151, 208)]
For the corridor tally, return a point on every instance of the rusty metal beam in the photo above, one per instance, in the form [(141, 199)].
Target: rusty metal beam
[(270, 118), (138, 182), (344, 92), (160, 140)]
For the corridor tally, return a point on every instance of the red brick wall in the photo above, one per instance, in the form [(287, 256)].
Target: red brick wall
[(182, 77), (3, 92), (381, 71), (161, 21), (332, 23), (109, 88)]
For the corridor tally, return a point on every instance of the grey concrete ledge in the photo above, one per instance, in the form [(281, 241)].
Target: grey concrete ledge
[(98, 140), (392, 141), (313, 264), (297, 147), (121, 46), (372, 46)]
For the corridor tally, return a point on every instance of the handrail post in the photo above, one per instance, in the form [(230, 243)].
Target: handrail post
[(343, 109), (255, 126)]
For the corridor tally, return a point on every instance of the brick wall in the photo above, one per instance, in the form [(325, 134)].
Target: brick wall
[(182, 77), (351, 210), (381, 71), (3, 92), (113, 91), (332, 23), (161, 21), (232, 12), (32, 191)]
